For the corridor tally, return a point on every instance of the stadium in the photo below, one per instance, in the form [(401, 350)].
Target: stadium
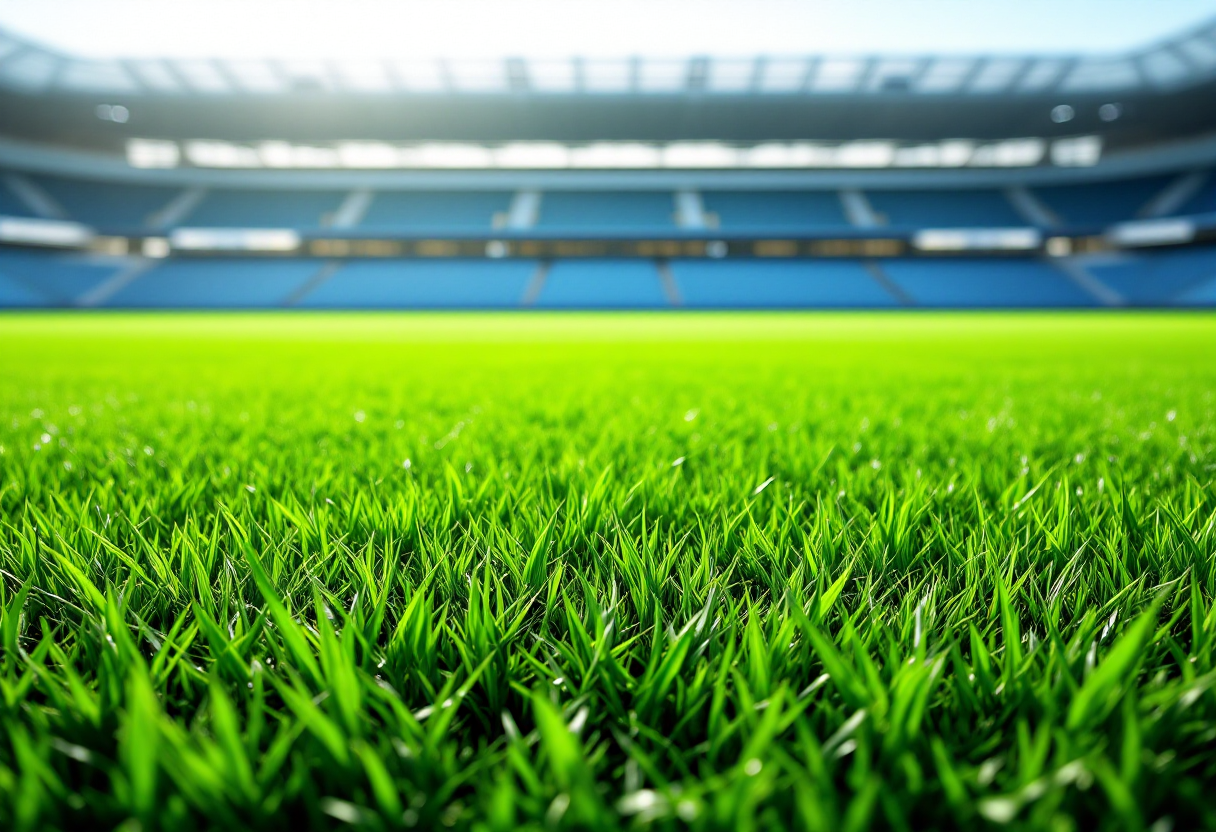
[(535, 415)]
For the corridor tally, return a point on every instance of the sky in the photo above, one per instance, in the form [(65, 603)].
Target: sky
[(559, 28)]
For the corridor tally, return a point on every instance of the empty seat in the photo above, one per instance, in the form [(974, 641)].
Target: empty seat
[(773, 284), (10, 204), (1101, 203), (602, 284), (107, 205), (775, 212), (217, 283), (424, 284), (937, 209), (970, 282), (57, 279), (1204, 200), (263, 209), (615, 211), (426, 212), (1156, 278)]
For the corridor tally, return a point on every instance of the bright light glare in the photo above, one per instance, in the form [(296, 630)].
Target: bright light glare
[(400, 29), (526, 155)]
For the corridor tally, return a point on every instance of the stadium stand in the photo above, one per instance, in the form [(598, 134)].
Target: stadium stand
[(606, 212), (949, 209), (778, 284), (207, 284), (970, 282), (264, 209), (775, 212), (1101, 203), (10, 204), (1157, 278), (432, 284), (434, 212), (106, 204), (56, 281), (602, 284), (1204, 200)]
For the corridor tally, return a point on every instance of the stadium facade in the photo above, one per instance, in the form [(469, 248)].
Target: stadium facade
[(762, 182)]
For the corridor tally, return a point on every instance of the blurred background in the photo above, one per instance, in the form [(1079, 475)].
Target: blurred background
[(622, 155)]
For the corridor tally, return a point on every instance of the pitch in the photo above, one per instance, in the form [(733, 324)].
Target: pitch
[(715, 572)]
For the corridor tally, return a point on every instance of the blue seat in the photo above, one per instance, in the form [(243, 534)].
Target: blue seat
[(10, 204), (107, 205), (602, 284), (437, 212), (1157, 278), (775, 212), (56, 279), (607, 211), (945, 209), (1101, 203), (14, 294), (966, 282), (218, 283), (263, 209), (774, 284), (424, 284)]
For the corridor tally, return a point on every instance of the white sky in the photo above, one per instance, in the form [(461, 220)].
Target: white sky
[(553, 28)]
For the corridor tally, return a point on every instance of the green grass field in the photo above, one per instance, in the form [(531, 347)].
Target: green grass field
[(823, 572)]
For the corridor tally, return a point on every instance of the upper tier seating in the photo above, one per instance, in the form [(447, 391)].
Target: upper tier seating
[(945, 209), (1102, 203), (107, 205), (607, 211), (55, 280), (264, 209), (423, 212), (775, 212)]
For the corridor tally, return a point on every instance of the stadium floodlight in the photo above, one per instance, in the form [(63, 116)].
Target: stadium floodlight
[(216, 154), (865, 154), (532, 155), (368, 155), (153, 153), (287, 155), (1011, 153), (700, 155), (447, 155), (627, 155), (794, 155), (1079, 151)]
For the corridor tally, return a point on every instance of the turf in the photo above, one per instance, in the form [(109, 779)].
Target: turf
[(717, 572)]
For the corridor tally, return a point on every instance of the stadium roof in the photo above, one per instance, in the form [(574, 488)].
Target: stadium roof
[(933, 47)]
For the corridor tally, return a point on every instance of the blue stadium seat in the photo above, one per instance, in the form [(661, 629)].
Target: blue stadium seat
[(217, 284), (57, 279), (614, 211), (424, 212), (10, 204), (965, 282), (945, 209), (1157, 278), (1204, 201), (14, 295), (773, 284), (1202, 295), (775, 212), (424, 284), (263, 209), (1101, 203), (107, 205), (602, 284)]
